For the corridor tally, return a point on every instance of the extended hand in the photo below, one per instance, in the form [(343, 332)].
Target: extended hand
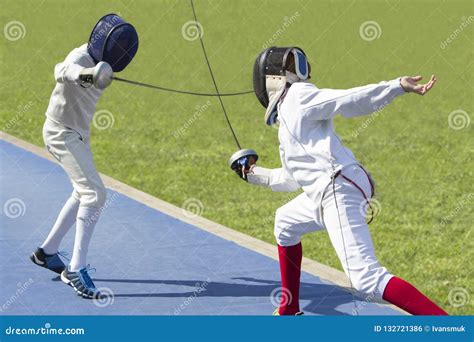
[(410, 84), (244, 166)]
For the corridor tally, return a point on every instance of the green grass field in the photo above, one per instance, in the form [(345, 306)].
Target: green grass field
[(176, 147)]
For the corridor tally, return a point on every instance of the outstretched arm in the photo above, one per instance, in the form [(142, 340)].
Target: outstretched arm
[(67, 72), (72, 70), (326, 103)]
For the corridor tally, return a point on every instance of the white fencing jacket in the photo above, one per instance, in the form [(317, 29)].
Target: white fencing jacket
[(310, 150), (72, 105)]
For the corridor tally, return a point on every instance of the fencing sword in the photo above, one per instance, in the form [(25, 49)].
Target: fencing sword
[(146, 85), (241, 160)]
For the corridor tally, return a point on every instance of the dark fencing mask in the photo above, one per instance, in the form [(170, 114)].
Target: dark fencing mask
[(274, 68), (114, 41)]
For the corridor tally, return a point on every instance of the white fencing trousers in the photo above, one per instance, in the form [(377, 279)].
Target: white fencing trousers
[(352, 243), (74, 154)]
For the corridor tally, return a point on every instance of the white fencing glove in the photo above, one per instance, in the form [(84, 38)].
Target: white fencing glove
[(100, 76)]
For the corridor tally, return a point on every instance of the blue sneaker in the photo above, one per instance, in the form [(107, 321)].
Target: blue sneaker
[(81, 282), (50, 261)]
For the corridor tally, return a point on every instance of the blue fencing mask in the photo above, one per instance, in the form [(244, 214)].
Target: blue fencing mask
[(114, 41)]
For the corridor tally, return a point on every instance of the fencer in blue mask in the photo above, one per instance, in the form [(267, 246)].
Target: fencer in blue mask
[(80, 81)]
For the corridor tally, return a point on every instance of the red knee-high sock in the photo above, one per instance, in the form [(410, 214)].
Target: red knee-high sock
[(407, 297), (290, 269)]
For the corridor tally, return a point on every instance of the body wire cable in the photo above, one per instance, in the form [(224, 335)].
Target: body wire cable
[(179, 91), (333, 181), (219, 95)]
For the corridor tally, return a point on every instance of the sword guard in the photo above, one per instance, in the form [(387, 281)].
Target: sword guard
[(242, 160)]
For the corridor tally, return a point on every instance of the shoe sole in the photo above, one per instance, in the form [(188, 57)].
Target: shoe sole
[(79, 293), (38, 262)]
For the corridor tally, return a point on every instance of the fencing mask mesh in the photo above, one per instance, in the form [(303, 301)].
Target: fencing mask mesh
[(114, 41)]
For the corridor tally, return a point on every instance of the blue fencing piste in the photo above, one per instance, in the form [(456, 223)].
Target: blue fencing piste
[(152, 263)]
